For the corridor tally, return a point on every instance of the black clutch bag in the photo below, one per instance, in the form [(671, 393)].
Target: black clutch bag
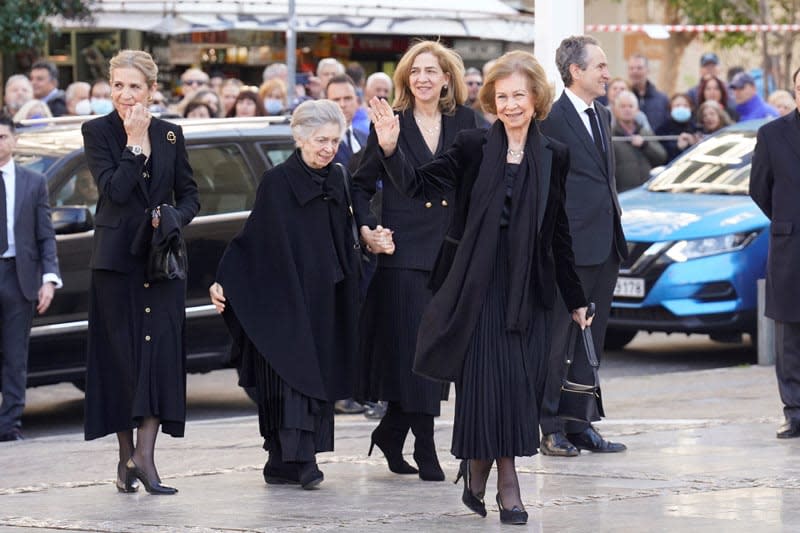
[(581, 401), (167, 262)]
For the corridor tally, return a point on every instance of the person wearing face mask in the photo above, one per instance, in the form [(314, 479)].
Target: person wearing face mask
[(681, 123), (100, 98), (77, 97), (273, 94)]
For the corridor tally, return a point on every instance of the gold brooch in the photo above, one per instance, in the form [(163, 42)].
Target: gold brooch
[(171, 137)]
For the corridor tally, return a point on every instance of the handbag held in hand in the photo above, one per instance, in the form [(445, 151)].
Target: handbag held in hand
[(581, 401)]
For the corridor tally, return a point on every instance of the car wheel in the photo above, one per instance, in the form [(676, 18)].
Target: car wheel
[(616, 339), (250, 391)]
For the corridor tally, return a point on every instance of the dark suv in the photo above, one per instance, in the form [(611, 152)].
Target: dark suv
[(228, 157)]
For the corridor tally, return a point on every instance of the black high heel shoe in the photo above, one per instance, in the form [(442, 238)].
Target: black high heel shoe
[(128, 484), (393, 453), (152, 487), (475, 503), (515, 515)]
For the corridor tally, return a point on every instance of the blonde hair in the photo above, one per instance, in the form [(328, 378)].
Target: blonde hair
[(450, 62), (527, 65), (269, 86), (141, 61), (30, 107)]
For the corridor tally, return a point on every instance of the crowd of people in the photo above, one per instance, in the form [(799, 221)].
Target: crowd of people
[(457, 231)]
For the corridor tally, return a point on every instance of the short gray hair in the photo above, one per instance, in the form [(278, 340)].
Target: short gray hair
[(275, 70), (379, 76), (627, 95), (311, 115), (330, 61), (572, 51)]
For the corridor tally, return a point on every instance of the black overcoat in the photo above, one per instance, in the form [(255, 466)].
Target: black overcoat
[(291, 277), (775, 187), (446, 325), (419, 222)]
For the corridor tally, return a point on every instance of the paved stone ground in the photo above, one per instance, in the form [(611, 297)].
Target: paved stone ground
[(702, 457)]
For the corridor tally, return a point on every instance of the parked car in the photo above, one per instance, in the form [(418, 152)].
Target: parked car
[(697, 245), (228, 157)]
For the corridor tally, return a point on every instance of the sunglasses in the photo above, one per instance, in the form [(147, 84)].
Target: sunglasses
[(194, 82), (478, 83)]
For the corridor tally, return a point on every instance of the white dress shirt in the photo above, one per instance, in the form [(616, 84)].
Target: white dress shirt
[(10, 180), (581, 107)]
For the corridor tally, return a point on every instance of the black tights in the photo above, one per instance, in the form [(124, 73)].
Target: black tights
[(143, 454), (507, 481)]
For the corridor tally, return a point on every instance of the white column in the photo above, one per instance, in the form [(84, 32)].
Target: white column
[(555, 20)]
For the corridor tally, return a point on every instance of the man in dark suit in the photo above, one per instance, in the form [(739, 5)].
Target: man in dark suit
[(342, 90), (28, 273), (44, 77), (774, 187), (594, 222)]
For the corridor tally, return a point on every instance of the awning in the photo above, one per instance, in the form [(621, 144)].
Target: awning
[(483, 19)]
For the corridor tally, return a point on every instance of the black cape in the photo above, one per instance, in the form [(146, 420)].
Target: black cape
[(290, 278)]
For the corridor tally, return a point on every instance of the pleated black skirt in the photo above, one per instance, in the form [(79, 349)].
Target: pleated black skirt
[(498, 395), (390, 319), (302, 425), (136, 360)]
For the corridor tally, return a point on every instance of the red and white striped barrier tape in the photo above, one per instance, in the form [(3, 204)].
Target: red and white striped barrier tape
[(696, 28)]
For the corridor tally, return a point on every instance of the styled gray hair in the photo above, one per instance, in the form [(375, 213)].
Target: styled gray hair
[(627, 95), (275, 70), (330, 61), (572, 51), (311, 115), (379, 76)]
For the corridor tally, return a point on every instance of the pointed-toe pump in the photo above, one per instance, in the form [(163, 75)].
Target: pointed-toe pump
[(473, 502), (152, 487), (515, 515), (125, 483)]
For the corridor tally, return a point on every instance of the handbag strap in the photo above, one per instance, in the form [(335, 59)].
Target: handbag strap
[(588, 348), (354, 229)]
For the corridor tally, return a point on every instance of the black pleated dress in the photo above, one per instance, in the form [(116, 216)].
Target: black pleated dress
[(498, 394), (136, 364)]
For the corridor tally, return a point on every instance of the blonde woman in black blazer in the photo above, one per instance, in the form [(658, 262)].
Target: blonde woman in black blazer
[(136, 376)]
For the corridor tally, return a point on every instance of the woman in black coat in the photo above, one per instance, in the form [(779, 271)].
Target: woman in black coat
[(290, 297), (430, 89), (487, 328), (135, 375)]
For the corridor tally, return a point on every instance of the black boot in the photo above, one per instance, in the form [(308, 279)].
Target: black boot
[(425, 448), (390, 436), (276, 472)]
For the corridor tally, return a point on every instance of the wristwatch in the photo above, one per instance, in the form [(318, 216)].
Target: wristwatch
[(135, 149)]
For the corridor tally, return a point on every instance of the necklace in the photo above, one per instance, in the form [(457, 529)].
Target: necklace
[(429, 130), (516, 153)]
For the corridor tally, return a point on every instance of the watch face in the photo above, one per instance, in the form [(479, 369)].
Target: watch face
[(137, 150)]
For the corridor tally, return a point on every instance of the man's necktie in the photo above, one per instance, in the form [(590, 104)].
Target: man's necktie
[(3, 219), (598, 138)]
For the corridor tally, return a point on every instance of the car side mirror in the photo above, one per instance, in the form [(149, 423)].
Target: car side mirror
[(71, 219)]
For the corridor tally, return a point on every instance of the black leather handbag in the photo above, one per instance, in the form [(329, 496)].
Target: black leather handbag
[(167, 262), (581, 401)]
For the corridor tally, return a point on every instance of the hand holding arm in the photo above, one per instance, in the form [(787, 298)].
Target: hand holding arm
[(387, 124), (379, 240)]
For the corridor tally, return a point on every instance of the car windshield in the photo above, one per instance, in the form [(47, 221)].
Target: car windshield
[(718, 165)]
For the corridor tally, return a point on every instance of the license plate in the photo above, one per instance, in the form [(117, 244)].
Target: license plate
[(629, 288)]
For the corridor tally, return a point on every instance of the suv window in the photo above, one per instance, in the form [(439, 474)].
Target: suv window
[(276, 153), (224, 181), (79, 189)]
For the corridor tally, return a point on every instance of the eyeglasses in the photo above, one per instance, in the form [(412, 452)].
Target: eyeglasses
[(478, 83), (194, 82)]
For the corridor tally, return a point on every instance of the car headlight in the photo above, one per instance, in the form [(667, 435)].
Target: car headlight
[(692, 249)]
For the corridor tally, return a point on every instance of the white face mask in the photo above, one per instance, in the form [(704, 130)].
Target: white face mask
[(83, 107), (102, 106)]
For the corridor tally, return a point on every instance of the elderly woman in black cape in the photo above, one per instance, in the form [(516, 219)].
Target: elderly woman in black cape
[(290, 297), (488, 325)]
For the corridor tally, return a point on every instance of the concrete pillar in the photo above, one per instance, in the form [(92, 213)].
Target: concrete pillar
[(766, 330), (554, 22)]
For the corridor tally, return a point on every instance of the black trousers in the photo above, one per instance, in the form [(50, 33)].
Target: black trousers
[(16, 314), (787, 367), (598, 283)]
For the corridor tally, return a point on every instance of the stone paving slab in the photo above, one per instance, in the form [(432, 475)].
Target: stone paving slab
[(702, 456)]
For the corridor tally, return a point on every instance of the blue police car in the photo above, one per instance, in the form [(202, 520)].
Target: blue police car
[(697, 245)]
